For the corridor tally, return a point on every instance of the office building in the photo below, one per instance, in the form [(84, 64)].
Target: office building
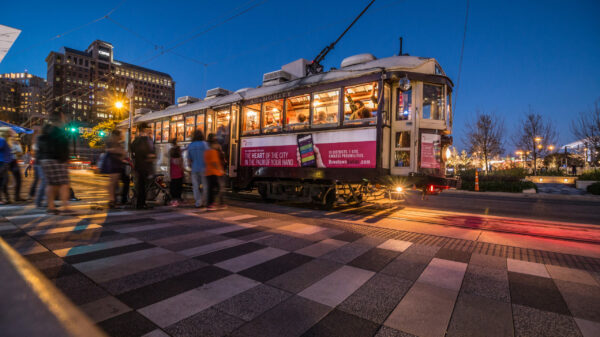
[(21, 97)]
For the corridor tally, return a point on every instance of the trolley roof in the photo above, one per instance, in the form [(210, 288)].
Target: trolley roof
[(394, 63)]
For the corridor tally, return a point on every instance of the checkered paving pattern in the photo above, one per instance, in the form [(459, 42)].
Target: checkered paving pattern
[(247, 272)]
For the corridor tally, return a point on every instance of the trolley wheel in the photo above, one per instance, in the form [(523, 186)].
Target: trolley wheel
[(263, 191)]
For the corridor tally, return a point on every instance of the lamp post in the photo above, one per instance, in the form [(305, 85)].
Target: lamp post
[(130, 92)]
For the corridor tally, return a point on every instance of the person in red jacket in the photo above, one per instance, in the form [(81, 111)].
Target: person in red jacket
[(213, 160)]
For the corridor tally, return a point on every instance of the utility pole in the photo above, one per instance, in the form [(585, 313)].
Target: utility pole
[(130, 93)]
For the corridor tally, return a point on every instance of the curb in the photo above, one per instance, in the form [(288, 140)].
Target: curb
[(527, 195)]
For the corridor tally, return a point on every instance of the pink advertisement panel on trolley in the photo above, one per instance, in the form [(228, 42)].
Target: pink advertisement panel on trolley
[(334, 149)]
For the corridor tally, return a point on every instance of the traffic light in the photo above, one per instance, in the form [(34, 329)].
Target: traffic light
[(73, 129), (101, 133)]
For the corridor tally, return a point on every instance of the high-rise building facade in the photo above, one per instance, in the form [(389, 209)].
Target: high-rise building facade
[(84, 85), (21, 97)]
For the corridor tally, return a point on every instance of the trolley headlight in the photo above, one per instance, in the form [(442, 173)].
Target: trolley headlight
[(399, 189)]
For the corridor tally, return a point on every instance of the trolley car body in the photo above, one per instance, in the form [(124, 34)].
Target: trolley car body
[(368, 127)]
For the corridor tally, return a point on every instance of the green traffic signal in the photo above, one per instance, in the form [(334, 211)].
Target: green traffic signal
[(73, 129), (101, 133)]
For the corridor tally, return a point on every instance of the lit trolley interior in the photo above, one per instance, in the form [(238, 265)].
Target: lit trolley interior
[(344, 135)]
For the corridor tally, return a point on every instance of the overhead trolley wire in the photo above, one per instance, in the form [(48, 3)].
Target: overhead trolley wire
[(462, 52)]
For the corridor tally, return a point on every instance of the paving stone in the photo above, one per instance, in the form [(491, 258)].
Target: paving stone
[(112, 261), (186, 304), (127, 325), (583, 300), (348, 236), (347, 253), (210, 247), (98, 254), (290, 318), (375, 259), (156, 333), (79, 289), (104, 308), (251, 259), (251, 303), (444, 274), (95, 247), (572, 275), (424, 311), (453, 255), (339, 323), (525, 267), (372, 241), (389, 332), (376, 299), (150, 276), (286, 242), (407, 266), (588, 328), (275, 267), (533, 322), (486, 282), (301, 277), (208, 323), (159, 291), (488, 261), (337, 286), (59, 271), (536, 292), (301, 228), (395, 245), (229, 253), (422, 250), (474, 315), (321, 247), (191, 242)]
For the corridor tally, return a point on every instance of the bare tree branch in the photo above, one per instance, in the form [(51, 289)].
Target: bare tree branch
[(586, 127), (534, 136), (485, 136)]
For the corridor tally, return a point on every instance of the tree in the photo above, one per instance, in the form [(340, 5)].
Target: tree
[(99, 132), (485, 136), (534, 136), (587, 128)]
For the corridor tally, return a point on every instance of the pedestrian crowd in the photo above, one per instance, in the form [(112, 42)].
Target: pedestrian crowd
[(46, 159)]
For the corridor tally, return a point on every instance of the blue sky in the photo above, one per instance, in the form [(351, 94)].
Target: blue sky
[(540, 53)]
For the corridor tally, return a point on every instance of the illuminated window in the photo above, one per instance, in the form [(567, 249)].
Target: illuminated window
[(189, 127), (223, 119), (165, 131), (404, 106), (272, 116), (200, 122), (360, 104), (250, 121), (297, 112), (403, 139), (325, 108), (158, 129), (433, 106), (180, 131), (402, 159)]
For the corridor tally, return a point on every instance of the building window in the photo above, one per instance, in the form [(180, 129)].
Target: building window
[(272, 116), (325, 108), (402, 159), (360, 104), (250, 121), (404, 106), (297, 112), (433, 106)]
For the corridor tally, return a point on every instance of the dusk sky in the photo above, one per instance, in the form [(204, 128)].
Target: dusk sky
[(540, 53)]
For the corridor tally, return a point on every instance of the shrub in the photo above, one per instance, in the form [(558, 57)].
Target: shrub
[(591, 175), (594, 188), (511, 174)]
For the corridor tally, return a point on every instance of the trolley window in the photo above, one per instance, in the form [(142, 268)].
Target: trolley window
[(433, 106), (360, 104), (200, 122), (189, 127), (250, 121), (297, 112), (180, 131), (325, 108), (165, 137), (158, 129), (173, 132), (404, 106), (402, 159), (223, 118), (272, 113)]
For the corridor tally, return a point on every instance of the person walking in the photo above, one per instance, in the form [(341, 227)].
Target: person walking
[(113, 165), (41, 150), (196, 161), (175, 173), (13, 167), (5, 158), (213, 158), (56, 169), (143, 160)]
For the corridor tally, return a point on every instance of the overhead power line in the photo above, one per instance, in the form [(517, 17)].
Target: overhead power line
[(462, 52)]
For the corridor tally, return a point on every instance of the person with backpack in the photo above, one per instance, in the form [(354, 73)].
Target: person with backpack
[(213, 158), (196, 161)]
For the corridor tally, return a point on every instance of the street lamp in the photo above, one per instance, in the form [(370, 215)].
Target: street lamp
[(118, 104), (538, 139)]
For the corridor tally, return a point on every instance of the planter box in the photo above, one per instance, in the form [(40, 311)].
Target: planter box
[(583, 184), (551, 180)]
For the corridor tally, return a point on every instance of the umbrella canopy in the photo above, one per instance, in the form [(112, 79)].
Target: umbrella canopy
[(16, 128)]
